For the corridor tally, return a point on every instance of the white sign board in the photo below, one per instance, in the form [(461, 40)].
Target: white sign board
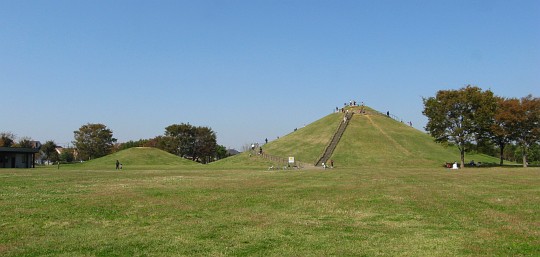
[(291, 160)]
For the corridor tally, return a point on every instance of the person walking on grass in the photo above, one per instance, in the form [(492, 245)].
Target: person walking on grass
[(117, 164)]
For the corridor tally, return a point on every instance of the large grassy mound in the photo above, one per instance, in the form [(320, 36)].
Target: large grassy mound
[(139, 157), (370, 140), (376, 140)]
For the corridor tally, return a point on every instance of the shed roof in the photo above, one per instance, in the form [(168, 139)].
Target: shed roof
[(18, 150)]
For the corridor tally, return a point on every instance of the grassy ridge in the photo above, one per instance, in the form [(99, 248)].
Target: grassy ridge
[(397, 212)]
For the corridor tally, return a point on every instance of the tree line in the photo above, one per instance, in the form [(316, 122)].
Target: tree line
[(197, 143), (471, 117), (91, 141)]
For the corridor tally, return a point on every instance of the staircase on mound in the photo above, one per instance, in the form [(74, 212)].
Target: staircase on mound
[(335, 139)]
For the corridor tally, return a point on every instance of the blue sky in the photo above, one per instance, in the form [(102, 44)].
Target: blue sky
[(250, 70)]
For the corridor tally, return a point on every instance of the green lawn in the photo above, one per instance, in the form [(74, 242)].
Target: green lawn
[(189, 210)]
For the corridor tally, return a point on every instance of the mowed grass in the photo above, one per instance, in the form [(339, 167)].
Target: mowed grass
[(75, 211)]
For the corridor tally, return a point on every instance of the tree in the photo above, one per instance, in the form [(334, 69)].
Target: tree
[(502, 128), (533, 154), (131, 143), (204, 146), (7, 139), (67, 156), (185, 140), (526, 124), (25, 142), (221, 152), (180, 139), (49, 151), (459, 116), (166, 144), (93, 141)]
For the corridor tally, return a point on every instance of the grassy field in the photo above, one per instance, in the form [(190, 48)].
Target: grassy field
[(208, 211)]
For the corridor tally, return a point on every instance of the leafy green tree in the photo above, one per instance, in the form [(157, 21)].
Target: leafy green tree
[(204, 147), (49, 151), (510, 152), (67, 156), (459, 116), (167, 144), (7, 139), (185, 140), (221, 152), (131, 143), (534, 154), (526, 124), (25, 142), (502, 128), (180, 139), (93, 141)]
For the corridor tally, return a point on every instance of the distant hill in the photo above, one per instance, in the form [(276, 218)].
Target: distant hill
[(138, 157), (232, 152)]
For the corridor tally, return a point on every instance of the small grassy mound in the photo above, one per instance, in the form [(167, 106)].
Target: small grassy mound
[(139, 157)]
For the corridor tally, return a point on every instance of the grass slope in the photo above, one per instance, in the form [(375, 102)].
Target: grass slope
[(306, 144), (376, 140), (241, 161), (342, 212), (138, 158)]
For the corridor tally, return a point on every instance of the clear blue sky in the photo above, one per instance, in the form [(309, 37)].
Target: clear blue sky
[(250, 70)]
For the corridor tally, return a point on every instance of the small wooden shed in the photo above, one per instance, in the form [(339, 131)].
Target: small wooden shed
[(17, 157)]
